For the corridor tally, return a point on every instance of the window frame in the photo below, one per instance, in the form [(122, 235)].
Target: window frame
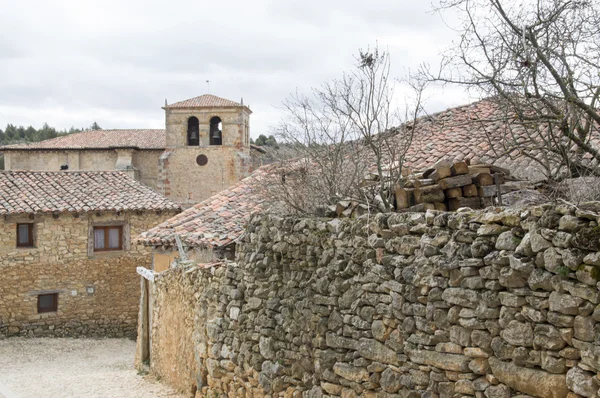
[(106, 228), (29, 242), (54, 307)]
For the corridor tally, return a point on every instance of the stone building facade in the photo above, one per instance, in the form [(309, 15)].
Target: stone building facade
[(67, 265), (183, 168), (207, 148), (492, 303), (135, 152)]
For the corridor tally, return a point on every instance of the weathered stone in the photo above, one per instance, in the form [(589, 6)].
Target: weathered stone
[(350, 372), (553, 364), (518, 333), (390, 381), (507, 241), (265, 346), (529, 381), (582, 382), (335, 341), (564, 303), (479, 366), (540, 279), (569, 223), (498, 391), (374, 350), (548, 337), (588, 274), (452, 362), (463, 297), (591, 294), (464, 387), (538, 243), (584, 328), (560, 320), (511, 300), (587, 239), (460, 336), (553, 260)]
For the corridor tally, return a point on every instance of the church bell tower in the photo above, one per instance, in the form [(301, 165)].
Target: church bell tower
[(207, 148)]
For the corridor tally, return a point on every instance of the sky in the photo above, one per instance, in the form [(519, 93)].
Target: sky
[(70, 63)]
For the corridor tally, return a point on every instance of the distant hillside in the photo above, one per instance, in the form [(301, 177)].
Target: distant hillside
[(18, 135)]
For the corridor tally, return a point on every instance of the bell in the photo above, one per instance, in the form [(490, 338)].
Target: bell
[(216, 134), (194, 135)]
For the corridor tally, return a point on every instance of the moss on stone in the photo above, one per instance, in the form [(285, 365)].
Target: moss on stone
[(587, 238)]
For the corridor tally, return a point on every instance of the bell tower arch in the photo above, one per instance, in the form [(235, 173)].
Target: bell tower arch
[(207, 148)]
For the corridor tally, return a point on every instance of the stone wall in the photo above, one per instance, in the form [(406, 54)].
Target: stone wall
[(482, 303), (186, 182), (63, 262)]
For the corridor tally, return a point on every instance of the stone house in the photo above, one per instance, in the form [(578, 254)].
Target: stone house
[(67, 263), (204, 148)]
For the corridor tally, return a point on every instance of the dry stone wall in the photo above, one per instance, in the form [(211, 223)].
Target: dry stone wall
[(492, 303)]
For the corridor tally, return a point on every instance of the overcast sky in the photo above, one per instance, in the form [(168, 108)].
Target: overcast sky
[(69, 63)]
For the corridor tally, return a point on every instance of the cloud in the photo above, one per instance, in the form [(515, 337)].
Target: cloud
[(71, 63)]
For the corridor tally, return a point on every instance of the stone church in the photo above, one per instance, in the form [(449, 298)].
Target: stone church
[(204, 148)]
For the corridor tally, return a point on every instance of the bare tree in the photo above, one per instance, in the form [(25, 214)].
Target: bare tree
[(540, 61), (346, 140)]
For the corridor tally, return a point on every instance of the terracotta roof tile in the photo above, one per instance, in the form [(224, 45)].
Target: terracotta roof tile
[(216, 221), (476, 131), (204, 101), (76, 191), (100, 139)]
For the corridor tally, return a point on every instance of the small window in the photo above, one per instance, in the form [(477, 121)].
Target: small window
[(25, 235), (108, 238), (47, 303)]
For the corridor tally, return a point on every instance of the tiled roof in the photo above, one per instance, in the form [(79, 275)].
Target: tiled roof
[(76, 191), (100, 139), (216, 221), (477, 132), (204, 101)]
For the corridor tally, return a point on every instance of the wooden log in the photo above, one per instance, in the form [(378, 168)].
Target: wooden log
[(457, 203), (479, 169), (453, 193), (482, 179), (470, 191), (440, 172), (418, 208), (491, 190), (453, 182), (440, 206), (418, 183), (404, 197), (430, 194), (459, 168), (348, 211), (341, 206)]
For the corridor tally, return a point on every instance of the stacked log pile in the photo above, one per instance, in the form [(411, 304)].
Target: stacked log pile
[(447, 186)]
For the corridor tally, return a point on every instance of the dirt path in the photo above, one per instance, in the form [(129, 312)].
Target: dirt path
[(57, 368)]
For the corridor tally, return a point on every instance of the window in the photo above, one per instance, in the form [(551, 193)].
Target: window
[(193, 131), (25, 235), (47, 303), (108, 238), (216, 135)]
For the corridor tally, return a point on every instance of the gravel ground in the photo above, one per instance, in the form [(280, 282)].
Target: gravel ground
[(57, 368)]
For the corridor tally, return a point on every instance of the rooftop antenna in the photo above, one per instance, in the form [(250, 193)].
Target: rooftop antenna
[(165, 102), (208, 86)]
